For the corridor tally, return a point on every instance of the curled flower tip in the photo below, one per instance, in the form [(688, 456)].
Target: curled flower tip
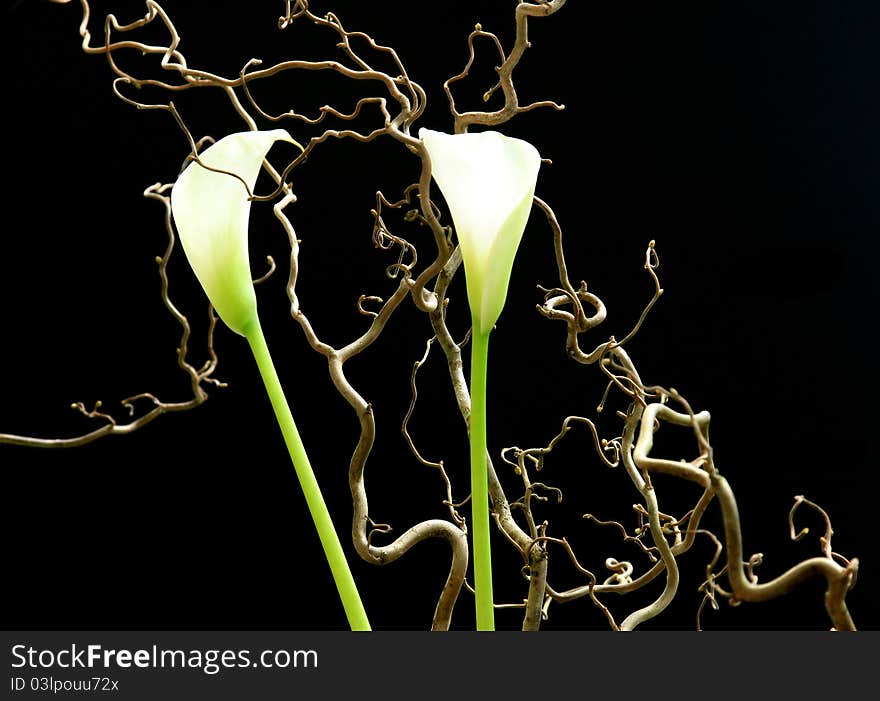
[(488, 181), (211, 211)]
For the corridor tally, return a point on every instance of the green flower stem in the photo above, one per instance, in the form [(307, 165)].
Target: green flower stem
[(348, 593), (480, 483)]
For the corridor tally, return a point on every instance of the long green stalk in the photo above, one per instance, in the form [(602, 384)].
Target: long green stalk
[(480, 483), (348, 593)]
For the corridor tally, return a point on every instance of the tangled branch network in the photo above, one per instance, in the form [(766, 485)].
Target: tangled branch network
[(413, 226)]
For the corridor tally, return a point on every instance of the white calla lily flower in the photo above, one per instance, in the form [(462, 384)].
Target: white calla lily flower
[(211, 212), (488, 181)]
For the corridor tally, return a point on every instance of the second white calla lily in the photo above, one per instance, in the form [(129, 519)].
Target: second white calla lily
[(211, 212), (488, 181)]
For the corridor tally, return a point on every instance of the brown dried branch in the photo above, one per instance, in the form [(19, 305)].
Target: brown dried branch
[(448, 501), (839, 577), (524, 11), (627, 538), (197, 377), (411, 107), (824, 541), (591, 587)]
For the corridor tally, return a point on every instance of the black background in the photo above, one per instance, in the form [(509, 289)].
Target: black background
[(740, 136)]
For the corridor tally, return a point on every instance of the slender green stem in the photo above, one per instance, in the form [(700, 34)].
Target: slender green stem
[(348, 593), (480, 483)]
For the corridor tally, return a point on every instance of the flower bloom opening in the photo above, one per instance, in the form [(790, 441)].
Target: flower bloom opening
[(211, 212), (488, 181)]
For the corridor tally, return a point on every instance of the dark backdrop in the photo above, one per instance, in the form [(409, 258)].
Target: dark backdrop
[(740, 136)]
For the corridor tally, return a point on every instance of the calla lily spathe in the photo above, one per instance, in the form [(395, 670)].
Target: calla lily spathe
[(488, 181), (211, 212)]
